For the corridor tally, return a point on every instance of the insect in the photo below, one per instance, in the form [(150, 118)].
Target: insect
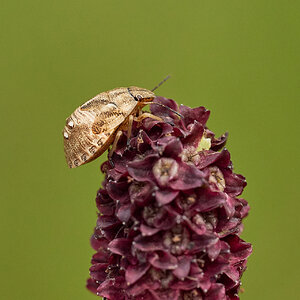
[(99, 122)]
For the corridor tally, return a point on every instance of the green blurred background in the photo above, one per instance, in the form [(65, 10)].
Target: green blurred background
[(238, 58)]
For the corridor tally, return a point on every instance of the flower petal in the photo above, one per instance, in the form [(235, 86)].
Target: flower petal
[(124, 212), (188, 177), (216, 292), (148, 231), (201, 242), (120, 246), (163, 260), (199, 114), (147, 243), (92, 285), (140, 192), (135, 272), (183, 268), (193, 138), (97, 271), (235, 183), (141, 169), (165, 196), (118, 191), (208, 200)]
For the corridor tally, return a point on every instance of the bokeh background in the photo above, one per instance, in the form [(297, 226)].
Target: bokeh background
[(240, 59)]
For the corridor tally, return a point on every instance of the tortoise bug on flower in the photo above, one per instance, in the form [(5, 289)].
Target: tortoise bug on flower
[(99, 122)]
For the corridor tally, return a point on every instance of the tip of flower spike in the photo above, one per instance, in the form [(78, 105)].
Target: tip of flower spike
[(169, 211)]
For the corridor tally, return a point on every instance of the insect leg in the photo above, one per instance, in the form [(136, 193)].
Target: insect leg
[(130, 121), (147, 115), (114, 146)]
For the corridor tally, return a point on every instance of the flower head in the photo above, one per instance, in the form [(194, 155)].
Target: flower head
[(169, 213)]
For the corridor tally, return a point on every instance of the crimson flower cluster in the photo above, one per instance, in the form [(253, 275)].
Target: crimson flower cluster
[(170, 218)]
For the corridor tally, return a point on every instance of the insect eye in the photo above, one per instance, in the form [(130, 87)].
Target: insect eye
[(139, 97)]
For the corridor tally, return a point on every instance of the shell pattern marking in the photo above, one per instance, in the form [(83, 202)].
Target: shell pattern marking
[(91, 128)]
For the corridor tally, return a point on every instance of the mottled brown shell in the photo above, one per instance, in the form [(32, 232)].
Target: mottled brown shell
[(91, 128)]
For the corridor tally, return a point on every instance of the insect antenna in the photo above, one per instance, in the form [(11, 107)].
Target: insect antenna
[(167, 107), (160, 83), (172, 110)]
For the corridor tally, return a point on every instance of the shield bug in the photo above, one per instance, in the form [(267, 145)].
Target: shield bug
[(99, 122)]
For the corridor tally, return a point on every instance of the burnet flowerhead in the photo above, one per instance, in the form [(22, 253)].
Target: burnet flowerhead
[(170, 215)]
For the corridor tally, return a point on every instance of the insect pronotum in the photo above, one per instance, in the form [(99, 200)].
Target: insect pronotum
[(99, 122)]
